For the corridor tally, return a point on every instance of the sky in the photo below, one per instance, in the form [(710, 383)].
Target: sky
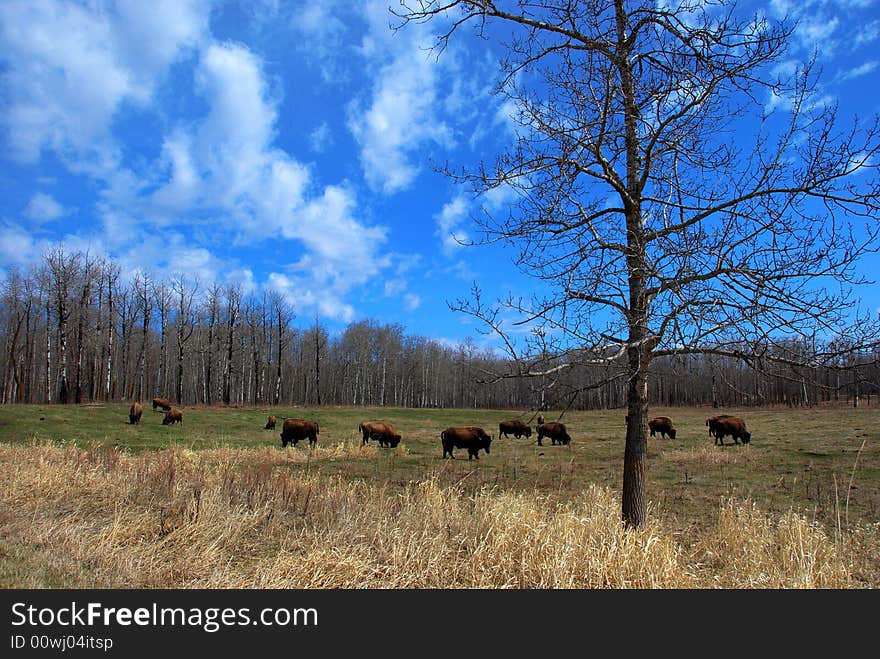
[(289, 146)]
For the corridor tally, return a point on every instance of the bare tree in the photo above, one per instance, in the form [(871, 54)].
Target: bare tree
[(283, 315), (63, 270), (145, 307), (164, 298), (675, 195), (233, 307), (88, 276), (185, 323)]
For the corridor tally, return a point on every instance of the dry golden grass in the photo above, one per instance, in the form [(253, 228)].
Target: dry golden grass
[(239, 518)]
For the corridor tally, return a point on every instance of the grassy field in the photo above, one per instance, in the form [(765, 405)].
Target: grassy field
[(821, 465)]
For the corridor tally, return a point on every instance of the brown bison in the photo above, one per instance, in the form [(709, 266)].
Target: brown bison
[(711, 421), (164, 403), (383, 432), (555, 431), (296, 429), (472, 438), (135, 413), (514, 427), (172, 416), (270, 424), (730, 425), (663, 425)]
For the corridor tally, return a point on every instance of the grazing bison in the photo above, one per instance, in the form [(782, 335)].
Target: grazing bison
[(472, 438), (383, 432), (164, 403), (663, 425), (712, 421), (172, 416), (730, 425), (270, 424), (514, 427), (555, 431), (134, 414), (296, 429)]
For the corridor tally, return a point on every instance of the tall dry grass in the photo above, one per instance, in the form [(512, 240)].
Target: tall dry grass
[(243, 519)]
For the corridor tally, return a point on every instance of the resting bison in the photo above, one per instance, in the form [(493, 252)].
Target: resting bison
[(514, 427), (172, 416), (296, 429), (730, 425), (164, 403), (663, 425), (134, 414), (381, 431), (270, 424), (555, 431), (471, 438)]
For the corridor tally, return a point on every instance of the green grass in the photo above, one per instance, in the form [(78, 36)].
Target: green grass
[(801, 459)]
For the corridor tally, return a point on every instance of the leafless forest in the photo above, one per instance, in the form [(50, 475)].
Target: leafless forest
[(74, 330)]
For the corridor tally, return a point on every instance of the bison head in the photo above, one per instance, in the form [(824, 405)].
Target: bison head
[(486, 441), (746, 437)]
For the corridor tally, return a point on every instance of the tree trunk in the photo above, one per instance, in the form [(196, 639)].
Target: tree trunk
[(635, 459)]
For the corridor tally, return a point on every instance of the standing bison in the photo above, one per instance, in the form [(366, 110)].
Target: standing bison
[(270, 424), (383, 432), (555, 431), (295, 430), (172, 416), (135, 413), (471, 438), (724, 425), (164, 403), (663, 425), (514, 427)]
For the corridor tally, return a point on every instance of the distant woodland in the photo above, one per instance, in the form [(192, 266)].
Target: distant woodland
[(74, 330)]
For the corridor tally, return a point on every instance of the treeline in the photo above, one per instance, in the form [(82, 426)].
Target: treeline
[(73, 330)]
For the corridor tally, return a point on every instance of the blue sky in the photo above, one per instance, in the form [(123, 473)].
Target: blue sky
[(288, 145)]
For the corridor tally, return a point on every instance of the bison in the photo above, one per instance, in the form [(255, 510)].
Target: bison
[(514, 427), (730, 425), (663, 425), (164, 403), (383, 432), (270, 424), (472, 438), (555, 431), (172, 416), (712, 421), (296, 429), (134, 414)]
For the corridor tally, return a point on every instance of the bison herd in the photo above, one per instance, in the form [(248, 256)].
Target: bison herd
[(172, 415), (470, 438)]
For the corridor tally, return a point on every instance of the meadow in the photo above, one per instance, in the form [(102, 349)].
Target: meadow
[(86, 499)]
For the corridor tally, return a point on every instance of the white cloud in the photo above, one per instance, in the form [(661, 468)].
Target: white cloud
[(863, 69), (448, 220), (43, 208), (226, 167), (320, 36), (412, 301), (400, 118), (16, 245), (70, 67), (321, 138)]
